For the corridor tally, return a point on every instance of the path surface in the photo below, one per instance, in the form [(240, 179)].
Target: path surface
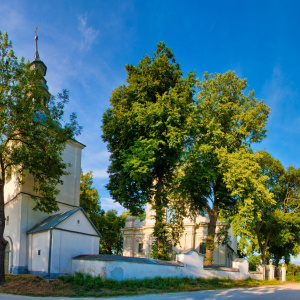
[(279, 292)]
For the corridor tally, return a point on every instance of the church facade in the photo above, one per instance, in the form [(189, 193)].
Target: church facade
[(138, 239), (40, 243)]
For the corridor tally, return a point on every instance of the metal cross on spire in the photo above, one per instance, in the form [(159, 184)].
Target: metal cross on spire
[(36, 56)]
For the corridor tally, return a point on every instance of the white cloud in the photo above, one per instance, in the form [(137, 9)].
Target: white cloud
[(89, 33), (109, 203), (100, 173), (97, 162)]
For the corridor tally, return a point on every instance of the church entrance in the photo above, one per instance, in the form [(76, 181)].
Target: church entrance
[(6, 258)]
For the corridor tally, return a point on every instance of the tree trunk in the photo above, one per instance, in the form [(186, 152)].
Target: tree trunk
[(160, 247), (210, 242), (3, 242), (278, 256), (263, 247)]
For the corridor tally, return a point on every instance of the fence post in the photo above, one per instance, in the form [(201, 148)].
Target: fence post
[(270, 272), (261, 269), (282, 273)]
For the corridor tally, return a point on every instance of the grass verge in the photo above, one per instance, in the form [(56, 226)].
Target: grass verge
[(84, 285)]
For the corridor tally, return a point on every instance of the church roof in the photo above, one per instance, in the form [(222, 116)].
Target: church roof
[(53, 221)]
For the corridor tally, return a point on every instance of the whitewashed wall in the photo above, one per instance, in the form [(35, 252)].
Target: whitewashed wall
[(124, 270), (39, 241), (66, 245), (190, 265)]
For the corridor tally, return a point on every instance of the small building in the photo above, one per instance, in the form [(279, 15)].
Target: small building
[(55, 241), (40, 243), (138, 238)]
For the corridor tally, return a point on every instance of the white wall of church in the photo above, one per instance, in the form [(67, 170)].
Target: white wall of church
[(66, 245), (78, 222), (69, 191), (38, 251), (20, 217), (12, 230)]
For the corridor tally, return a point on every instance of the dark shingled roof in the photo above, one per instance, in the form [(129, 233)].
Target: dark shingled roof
[(52, 221), (139, 260)]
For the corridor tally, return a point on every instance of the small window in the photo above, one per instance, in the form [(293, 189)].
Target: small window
[(202, 248), (39, 252), (140, 248), (170, 214), (7, 220), (78, 222)]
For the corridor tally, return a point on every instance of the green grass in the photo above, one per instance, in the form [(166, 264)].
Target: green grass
[(79, 284), (95, 286)]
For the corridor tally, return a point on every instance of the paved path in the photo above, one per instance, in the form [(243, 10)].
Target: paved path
[(279, 292)]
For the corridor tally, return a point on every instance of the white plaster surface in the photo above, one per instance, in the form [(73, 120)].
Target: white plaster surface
[(79, 223), (192, 267)]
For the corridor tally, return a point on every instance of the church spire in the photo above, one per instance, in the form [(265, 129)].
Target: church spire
[(36, 55), (37, 63)]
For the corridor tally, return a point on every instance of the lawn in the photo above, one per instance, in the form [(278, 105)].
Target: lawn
[(80, 285)]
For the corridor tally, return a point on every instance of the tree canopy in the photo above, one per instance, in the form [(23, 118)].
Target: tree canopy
[(267, 217), (33, 134), (224, 121), (146, 132)]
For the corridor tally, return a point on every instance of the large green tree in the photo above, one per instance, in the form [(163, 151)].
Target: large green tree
[(225, 120), (146, 131), (267, 215), (32, 133)]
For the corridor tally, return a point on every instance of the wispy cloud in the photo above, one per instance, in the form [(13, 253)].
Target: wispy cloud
[(11, 17), (89, 34), (100, 173), (92, 160), (277, 92), (109, 203)]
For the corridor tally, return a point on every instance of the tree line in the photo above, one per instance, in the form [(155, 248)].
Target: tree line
[(187, 143), (109, 224)]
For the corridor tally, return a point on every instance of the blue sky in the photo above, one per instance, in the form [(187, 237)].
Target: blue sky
[(86, 44)]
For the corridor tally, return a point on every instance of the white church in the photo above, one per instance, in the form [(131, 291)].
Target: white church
[(43, 244), (138, 239)]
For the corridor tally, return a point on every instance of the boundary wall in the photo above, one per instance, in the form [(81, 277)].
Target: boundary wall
[(189, 264)]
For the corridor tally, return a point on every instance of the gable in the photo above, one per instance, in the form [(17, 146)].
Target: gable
[(78, 222), (74, 220)]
